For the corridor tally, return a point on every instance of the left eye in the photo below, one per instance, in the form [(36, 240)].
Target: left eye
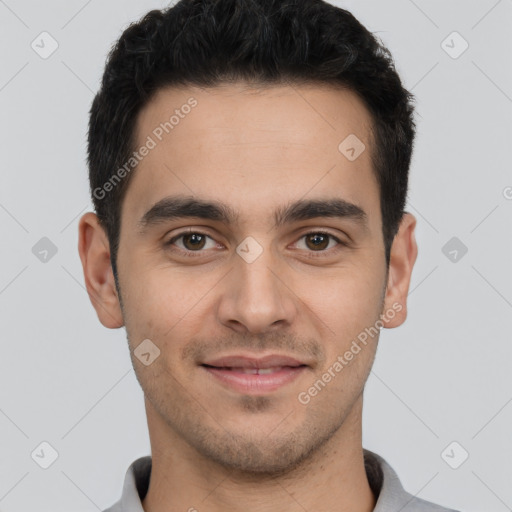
[(318, 241)]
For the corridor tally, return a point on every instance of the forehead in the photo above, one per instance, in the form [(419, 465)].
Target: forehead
[(304, 114), (253, 145)]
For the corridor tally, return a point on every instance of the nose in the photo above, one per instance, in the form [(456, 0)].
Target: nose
[(255, 297)]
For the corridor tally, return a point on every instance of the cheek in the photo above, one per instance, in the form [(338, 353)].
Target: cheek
[(160, 302), (346, 300), (349, 335)]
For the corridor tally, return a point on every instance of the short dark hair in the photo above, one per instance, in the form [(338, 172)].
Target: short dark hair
[(207, 43)]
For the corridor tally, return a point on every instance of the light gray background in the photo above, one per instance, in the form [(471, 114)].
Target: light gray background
[(443, 376)]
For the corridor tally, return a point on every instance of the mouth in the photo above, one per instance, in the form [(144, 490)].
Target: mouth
[(254, 376), (254, 371)]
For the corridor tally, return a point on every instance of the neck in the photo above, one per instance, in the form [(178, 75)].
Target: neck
[(332, 479)]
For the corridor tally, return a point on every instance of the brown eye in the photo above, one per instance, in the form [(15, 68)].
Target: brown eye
[(194, 241), (191, 243), (317, 241)]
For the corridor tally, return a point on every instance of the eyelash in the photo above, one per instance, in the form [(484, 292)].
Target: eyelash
[(195, 254)]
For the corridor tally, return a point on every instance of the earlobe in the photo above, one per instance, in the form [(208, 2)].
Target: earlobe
[(402, 258), (94, 250)]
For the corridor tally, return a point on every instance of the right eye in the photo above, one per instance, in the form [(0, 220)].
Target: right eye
[(190, 242)]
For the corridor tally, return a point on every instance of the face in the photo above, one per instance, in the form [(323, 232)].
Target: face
[(247, 230)]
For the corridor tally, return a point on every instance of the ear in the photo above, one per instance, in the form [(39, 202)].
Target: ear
[(94, 250), (402, 258)]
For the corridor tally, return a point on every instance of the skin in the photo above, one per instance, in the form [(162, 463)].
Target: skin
[(254, 150)]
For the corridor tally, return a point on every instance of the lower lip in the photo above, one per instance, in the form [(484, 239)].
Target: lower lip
[(253, 383)]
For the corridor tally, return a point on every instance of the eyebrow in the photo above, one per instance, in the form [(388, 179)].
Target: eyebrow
[(180, 207)]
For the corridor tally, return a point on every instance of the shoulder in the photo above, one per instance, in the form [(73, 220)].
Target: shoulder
[(135, 486), (116, 507), (419, 505), (391, 496)]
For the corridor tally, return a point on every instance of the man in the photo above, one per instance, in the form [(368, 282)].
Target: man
[(248, 166)]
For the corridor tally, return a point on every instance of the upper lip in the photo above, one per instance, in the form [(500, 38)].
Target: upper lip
[(242, 361)]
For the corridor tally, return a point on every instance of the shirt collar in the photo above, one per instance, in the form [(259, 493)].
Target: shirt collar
[(383, 481)]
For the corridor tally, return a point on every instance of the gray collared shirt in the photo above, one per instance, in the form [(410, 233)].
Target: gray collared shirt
[(383, 481)]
